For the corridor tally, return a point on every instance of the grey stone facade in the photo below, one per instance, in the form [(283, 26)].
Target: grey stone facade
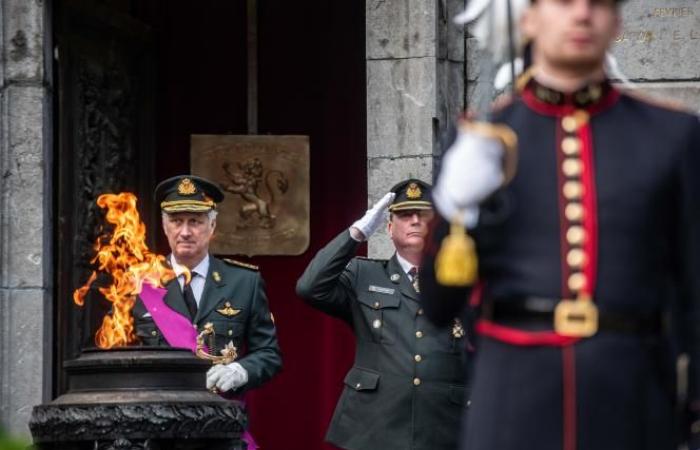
[(25, 230)]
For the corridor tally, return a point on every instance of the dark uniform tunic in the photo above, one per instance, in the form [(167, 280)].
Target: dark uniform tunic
[(234, 300), (406, 389), (605, 203)]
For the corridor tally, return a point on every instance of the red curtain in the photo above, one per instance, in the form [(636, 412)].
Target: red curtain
[(311, 62)]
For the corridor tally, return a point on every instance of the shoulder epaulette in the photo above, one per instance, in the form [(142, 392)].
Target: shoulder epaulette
[(673, 105), (233, 262)]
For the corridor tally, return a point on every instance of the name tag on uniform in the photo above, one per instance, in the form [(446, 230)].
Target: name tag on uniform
[(380, 290)]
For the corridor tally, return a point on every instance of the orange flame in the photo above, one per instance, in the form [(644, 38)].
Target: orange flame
[(125, 256)]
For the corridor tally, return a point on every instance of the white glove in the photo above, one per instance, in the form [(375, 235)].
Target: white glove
[(472, 169), (374, 217), (227, 377)]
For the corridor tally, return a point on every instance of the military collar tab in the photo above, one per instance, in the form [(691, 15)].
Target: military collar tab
[(593, 98)]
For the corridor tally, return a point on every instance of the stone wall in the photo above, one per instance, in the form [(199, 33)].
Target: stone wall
[(415, 71), (25, 186), (659, 48)]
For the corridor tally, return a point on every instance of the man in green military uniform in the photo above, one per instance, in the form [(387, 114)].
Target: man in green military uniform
[(406, 389), (228, 294)]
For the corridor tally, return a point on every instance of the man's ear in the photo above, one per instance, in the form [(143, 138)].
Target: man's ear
[(389, 227)]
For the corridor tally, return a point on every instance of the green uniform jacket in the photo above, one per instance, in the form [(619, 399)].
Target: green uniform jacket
[(251, 328), (406, 388)]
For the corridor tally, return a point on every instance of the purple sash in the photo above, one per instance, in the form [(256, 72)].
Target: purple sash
[(176, 329)]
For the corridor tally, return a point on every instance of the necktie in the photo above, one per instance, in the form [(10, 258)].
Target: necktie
[(414, 278), (190, 301)]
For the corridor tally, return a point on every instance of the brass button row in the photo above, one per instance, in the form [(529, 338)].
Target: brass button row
[(573, 190)]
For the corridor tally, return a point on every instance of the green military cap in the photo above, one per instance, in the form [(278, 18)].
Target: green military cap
[(411, 194), (187, 193)]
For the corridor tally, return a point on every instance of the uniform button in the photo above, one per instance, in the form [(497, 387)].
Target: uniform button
[(575, 235), (154, 333), (577, 282), (469, 403), (576, 257), (574, 212), (418, 358), (420, 311), (376, 305), (569, 124), (358, 386), (419, 334), (230, 332), (572, 167), (377, 323), (416, 381), (582, 117), (572, 190), (571, 146)]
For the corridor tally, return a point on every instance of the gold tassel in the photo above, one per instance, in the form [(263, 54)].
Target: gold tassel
[(456, 261)]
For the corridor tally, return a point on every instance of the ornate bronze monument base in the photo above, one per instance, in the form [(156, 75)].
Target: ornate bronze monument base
[(138, 398)]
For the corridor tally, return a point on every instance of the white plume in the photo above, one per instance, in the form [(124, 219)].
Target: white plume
[(504, 74), (488, 21), (474, 9), (613, 70)]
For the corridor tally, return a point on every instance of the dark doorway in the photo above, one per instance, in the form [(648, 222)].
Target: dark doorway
[(190, 77)]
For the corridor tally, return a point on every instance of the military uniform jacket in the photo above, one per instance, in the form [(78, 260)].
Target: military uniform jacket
[(234, 300), (406, 389), (606, 200)]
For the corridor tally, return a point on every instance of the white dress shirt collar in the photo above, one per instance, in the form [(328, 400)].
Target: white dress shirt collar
[(405, 265)]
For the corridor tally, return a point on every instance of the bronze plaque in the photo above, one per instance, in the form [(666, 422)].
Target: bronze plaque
[(265, 180)]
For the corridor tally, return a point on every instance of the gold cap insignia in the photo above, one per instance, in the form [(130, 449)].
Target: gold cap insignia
[(186, 187), (215, 275), (413, 191), (228, 310)]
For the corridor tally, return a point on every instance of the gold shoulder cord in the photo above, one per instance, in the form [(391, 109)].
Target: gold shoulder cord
[(456, 263)]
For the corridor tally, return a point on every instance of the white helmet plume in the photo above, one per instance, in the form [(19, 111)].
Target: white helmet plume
[(489, 25)]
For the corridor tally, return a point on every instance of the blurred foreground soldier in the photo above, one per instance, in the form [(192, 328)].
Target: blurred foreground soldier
[(228, 294), (577, 255), (405, 390)]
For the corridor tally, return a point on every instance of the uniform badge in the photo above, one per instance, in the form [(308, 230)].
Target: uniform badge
[(413, 191), (186, 187), (457, 329), (395, 277), (228, 310), (380, 290), (215, 275)]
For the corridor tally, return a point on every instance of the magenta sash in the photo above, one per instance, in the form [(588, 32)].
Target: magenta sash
[(176, 329)]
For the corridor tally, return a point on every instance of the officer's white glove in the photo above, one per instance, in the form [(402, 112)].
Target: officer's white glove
[(472, 169), (373, 218), (227, 377)]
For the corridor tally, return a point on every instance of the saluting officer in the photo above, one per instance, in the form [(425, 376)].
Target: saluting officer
[(407, 387), (227, 293), (578, 255)]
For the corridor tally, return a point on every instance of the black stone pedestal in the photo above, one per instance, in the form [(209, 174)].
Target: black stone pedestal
[(138, 398)]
